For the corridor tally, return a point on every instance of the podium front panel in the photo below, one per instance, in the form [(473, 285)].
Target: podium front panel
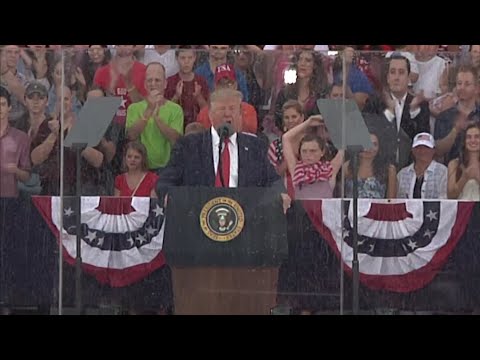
[(225, 227)]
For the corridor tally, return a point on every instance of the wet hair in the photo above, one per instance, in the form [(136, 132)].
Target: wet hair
[(313, 137), (289, 104), (181, 48), (89, 68), (338, 83), (467, 69), (380, 162), (318, 83), (293, 104), (224, 93), (5, 94), (139, 147), (398, 56), (464, 156)]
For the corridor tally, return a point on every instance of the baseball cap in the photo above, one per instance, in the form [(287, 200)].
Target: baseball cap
[(36, 87), (225, 71), (425, 139)]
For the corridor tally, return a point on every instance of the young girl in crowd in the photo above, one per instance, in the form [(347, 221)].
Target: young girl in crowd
[(137, 180), (313, 174)]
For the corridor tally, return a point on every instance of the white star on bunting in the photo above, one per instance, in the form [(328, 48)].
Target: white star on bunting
[(150, 230), (412, 245), (100, 241), (428, 233), (432, 215), (92, 235), (130, 240), (141, 239), (158, 211)]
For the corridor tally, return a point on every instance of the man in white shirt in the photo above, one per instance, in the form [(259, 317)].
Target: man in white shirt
[(402, 115)]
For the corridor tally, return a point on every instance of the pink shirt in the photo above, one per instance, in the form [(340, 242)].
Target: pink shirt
[(14, 149)]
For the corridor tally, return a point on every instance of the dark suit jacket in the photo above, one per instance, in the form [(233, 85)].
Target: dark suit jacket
[(191, 163), (409, 127)]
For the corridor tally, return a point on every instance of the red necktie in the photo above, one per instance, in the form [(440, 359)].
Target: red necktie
[(225, 167)]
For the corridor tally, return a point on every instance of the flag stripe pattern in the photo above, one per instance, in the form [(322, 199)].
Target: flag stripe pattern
[(401, 254), (117, 248)]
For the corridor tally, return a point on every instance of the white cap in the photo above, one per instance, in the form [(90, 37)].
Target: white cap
[(425, 139)]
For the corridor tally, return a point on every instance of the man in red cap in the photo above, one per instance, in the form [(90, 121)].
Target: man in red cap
[(225, 78)]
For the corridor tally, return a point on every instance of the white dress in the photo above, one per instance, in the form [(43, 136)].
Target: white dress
[(471, 191)]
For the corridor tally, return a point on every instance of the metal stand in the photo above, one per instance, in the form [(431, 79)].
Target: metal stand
[(354, 152), (78, 147)]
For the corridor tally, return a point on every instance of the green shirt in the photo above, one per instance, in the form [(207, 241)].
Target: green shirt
[(157, 144)]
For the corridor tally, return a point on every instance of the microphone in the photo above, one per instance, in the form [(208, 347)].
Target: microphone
[(225, 130)]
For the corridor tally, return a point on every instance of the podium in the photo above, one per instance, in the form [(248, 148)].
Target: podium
[(224, 247)]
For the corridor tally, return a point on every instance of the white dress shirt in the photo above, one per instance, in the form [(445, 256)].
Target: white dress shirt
[(233, 148), (399, 105)]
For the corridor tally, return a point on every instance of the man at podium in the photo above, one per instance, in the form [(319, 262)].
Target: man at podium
[(196, 159), (226, 234)]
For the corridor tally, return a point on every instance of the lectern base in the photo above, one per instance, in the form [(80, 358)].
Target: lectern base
[(224, 291)]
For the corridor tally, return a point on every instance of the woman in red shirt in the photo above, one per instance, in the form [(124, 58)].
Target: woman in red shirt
[(137, 180)]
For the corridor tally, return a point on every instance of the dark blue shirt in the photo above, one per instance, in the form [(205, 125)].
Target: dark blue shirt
[(444, 124)]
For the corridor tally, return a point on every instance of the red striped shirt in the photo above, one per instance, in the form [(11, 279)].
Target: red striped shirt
[(310, 173)]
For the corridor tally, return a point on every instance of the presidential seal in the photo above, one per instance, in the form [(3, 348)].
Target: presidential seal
[(222, 219)]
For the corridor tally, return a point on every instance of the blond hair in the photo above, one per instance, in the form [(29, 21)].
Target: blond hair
[(141, 149), (223, 94), (293, 104)]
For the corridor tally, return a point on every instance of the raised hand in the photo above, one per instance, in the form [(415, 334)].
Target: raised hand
[(461, 121), (179, 89), (80, 77), (54, 126), (198, 90), (316, 120), (389, 102), (13, 83), (417, 100)]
